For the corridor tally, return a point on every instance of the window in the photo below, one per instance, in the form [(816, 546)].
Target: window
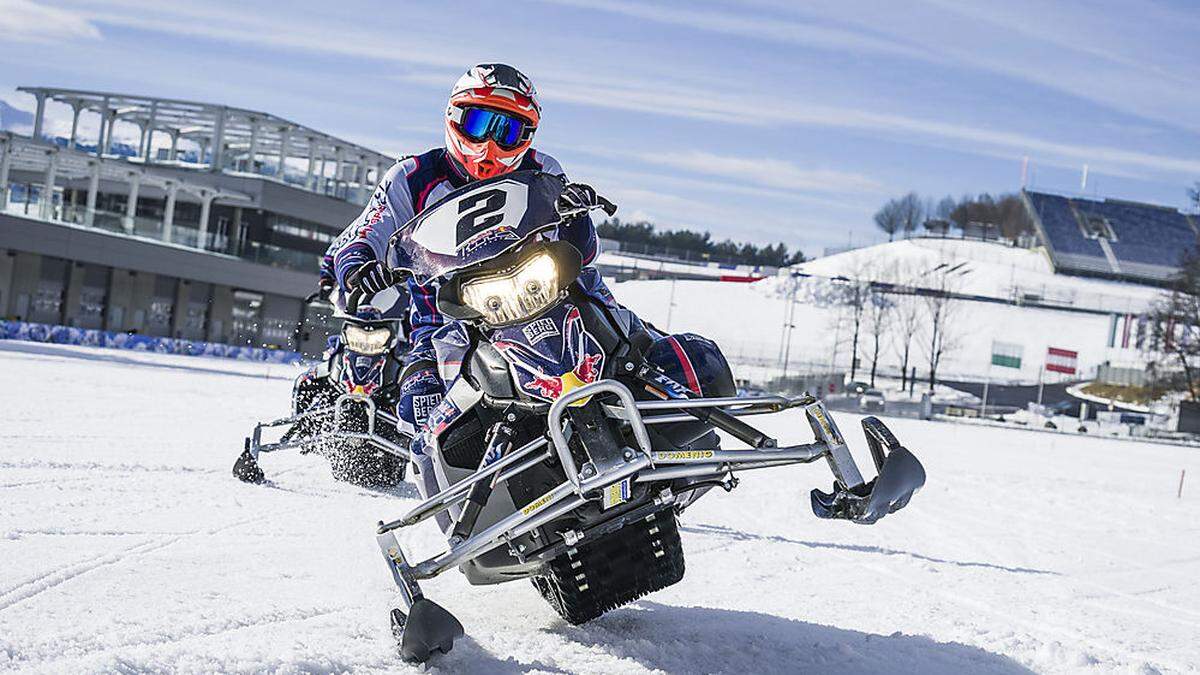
[(1096, 227), (302, 229)]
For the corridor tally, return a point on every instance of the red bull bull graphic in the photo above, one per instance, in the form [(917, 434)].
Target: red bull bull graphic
[(556, 362)]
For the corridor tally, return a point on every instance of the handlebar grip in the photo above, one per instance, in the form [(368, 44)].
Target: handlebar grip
[(354, 300), (609, 207)]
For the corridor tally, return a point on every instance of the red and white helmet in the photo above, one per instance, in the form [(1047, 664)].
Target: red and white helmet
[(490, 120)]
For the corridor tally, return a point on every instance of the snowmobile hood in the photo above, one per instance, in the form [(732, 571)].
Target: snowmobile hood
[(476, 223)]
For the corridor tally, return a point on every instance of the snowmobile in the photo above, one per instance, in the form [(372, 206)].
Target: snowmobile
[(343, 406), (561, 453)]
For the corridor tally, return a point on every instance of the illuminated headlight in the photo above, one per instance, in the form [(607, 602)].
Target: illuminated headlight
[(367, 340), (516, 294)]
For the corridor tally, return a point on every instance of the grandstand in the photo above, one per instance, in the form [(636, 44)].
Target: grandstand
[(1113, 239)]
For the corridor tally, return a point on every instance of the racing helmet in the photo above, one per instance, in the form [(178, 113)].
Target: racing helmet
[(490, 120)]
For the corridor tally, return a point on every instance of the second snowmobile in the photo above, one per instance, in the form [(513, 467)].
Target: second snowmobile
[(343, 406)]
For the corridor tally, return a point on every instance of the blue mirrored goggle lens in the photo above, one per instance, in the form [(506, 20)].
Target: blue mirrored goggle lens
[(479, 124)]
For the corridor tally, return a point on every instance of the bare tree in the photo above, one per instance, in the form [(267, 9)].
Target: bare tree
[(945, 207), (1194, 194), (911, 212), (853, 292), (908, 317), (878, 318), (1175, 332), (889, 219), (941, 313)]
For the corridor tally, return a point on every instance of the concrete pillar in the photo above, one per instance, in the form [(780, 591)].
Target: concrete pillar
[(174, 145), (234, 241), (5, 164), (39, 116), (106, 146), (203, 149), (206, 200), (312, 163), (169, 210), (218, 141), (104, 109), (76, 108), (337, 173), (135, 182), (323, 185), (72, 293), (89, 217), (119, 300), (141, 140), (179, 315), (46, 212), (253, 150), (146, 154), (285, 137)]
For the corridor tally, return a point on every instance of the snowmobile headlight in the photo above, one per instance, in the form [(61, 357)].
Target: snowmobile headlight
[(369, 340), (515, 294)]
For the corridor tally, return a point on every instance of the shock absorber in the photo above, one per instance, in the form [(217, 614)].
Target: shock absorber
[(499, 442)]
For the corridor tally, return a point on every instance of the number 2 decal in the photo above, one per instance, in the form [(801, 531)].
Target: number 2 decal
[(480, 211), (481, 215)]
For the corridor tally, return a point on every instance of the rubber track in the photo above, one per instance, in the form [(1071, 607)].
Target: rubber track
[(596, 577)]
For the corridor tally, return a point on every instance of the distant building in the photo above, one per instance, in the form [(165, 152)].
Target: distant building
[(210, 228), (1114, 239)]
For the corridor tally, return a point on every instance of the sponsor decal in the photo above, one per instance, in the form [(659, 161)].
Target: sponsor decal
[(536, 504), (539, 329), (819, 414), (424, 405), (669, 455), (534, 368), (442, 415), (616, 494)]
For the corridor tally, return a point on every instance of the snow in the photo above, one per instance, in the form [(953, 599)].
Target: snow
[(821, 341), (126, 546)]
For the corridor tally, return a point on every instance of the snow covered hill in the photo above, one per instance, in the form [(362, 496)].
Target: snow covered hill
[(747, 319), (126, 546)]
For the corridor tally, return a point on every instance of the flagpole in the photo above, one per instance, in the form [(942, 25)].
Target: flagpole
[(1041, 370)]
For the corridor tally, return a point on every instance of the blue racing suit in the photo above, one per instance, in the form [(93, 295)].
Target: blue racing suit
[(406, 189)]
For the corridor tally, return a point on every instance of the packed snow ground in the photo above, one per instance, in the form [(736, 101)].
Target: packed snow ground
[(126, 546)]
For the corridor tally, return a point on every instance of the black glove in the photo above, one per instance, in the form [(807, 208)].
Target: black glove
[(578, 198), (372, 277)]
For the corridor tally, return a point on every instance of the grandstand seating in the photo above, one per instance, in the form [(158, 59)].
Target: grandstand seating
[(1111, 238)]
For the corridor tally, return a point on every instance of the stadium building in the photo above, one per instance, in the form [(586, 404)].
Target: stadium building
[(1112, 239), (210, 228)]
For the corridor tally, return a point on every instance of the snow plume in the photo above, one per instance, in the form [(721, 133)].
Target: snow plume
[(25, 21)]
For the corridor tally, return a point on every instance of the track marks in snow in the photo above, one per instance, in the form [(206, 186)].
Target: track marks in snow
[(46, 582), (740, 535)]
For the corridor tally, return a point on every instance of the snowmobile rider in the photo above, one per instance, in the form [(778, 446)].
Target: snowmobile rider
[(490, 122)]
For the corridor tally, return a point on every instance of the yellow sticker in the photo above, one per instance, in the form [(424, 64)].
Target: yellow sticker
[(819, 413), (536, 504), (683, 454), (617, 493)]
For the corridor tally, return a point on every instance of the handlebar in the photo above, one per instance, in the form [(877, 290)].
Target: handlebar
[(355, 299)]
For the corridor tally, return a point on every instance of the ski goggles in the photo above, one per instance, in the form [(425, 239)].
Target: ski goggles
[(478, 124)]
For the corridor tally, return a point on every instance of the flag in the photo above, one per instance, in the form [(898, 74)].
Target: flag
[(1061, 360), (1006, 354)]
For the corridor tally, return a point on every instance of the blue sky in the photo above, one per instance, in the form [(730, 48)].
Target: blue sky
[(765, 120)]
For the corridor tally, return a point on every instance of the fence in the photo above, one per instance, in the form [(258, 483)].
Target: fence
[(1124, 377), (65, 335)]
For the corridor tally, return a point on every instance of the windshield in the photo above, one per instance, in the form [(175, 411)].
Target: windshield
[(476, 223)]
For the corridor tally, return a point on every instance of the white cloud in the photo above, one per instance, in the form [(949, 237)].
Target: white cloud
[(25, 21)]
